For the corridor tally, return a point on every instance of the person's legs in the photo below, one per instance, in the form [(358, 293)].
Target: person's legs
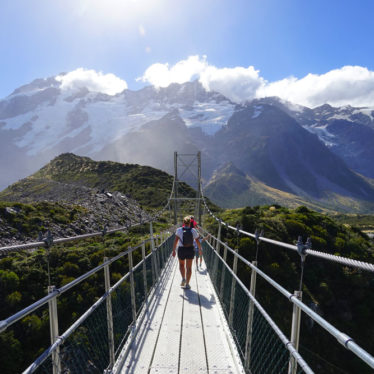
[(189, 272), (182, 269), (201, 260)]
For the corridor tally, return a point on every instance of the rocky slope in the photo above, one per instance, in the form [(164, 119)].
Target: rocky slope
[(97, 192)]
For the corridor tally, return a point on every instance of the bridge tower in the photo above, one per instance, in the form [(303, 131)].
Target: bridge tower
[(188, 167)]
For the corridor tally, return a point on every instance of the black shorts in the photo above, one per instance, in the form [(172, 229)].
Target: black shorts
[(186, 253)]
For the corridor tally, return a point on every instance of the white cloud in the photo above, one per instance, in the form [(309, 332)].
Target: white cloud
[(161, 75), (238, 84), (92, 80), (349, 85)]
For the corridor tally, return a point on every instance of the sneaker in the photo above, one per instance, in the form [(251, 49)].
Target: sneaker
[(183, 283), (187, 287)]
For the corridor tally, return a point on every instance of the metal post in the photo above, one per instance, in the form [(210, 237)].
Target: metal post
[(158, 265), (162, 251), (132, 288), (233, 283), (223, 266), (295, 332), (53, 325), (215, 266), (145, 276), (109, 315), (218, 236), (154, 260), (199, 187), (175, 186), (248, 341)]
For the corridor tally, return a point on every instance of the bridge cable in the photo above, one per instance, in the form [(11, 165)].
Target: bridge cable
[(327, 256)]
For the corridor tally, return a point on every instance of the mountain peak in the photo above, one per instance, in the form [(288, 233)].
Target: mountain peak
[(227, 169)]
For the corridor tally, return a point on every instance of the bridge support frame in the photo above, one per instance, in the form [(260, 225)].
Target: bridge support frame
[(223, 273), (53, 325), (217, 243), (109, 315), (295, 332), (232, 294), (153, 251), (251, 308), (180, 159), (132, 288), (145, 276)]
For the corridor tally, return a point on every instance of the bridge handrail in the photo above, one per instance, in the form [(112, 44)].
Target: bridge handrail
[(341, 337), (83, 317), (4, 324), (288, 344), (339, 259), (61, 338)]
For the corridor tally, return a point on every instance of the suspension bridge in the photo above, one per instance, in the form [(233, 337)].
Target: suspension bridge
[(146, 323)]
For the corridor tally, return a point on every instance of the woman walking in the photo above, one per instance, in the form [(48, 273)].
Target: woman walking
[(185, 237)]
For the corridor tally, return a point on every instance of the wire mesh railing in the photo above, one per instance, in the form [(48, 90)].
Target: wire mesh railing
[(220, 271), (94, 341), (262, 348)]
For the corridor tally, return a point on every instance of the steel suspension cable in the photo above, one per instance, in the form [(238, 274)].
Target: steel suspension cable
[(326, 256)]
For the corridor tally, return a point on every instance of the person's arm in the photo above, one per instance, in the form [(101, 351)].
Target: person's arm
[(201, 248), (203, 239), (175, 245), (198, 243)]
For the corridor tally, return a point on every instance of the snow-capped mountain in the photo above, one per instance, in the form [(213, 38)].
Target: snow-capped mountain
[(347, 131), (45, 116), (40, 120)]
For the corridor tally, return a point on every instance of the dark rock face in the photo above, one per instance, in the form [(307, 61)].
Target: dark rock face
[(275, 149), (354, 143), (21, 104)]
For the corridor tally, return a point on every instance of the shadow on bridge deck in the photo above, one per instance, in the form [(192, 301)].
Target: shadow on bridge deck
[(184, 331)]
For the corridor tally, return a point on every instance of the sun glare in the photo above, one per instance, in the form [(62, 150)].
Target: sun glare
[(117, 11)]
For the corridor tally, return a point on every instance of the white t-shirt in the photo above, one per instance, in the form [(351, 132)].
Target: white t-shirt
[(179, 234)]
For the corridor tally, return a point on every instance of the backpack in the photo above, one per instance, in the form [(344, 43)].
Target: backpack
[(187, 237)]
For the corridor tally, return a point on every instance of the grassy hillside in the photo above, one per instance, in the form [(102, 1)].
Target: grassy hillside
[(148, 186), (232, 188), (364, 222)]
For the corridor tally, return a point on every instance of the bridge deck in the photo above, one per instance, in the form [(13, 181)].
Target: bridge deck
[(183, 332)]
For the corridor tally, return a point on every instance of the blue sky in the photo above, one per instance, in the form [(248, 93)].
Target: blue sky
[(279, 39)]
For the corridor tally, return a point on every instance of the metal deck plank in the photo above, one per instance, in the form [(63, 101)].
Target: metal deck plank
[(217, 338), (193, 357), (157, 345), (140, 355), (166, 356)]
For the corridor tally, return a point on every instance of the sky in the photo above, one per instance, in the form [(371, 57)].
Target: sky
[(307, 52)]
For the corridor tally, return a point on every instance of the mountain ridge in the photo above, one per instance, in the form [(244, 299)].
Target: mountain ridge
[(270, 140)]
